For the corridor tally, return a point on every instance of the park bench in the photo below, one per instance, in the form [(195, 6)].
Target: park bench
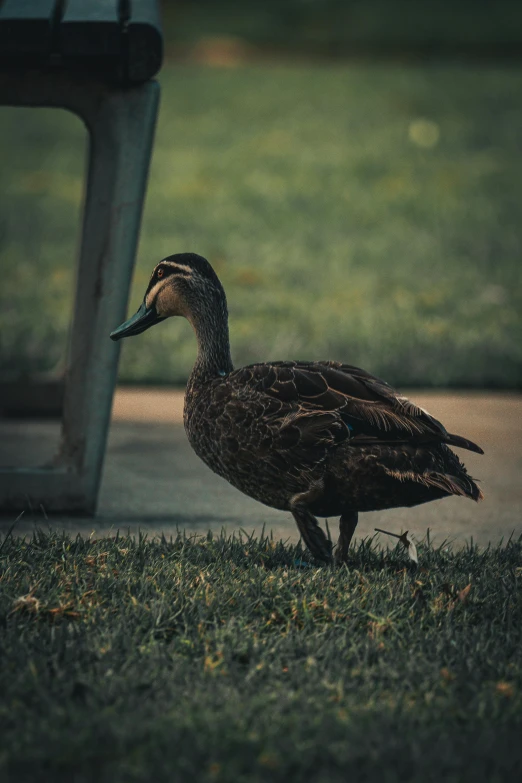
[(95, 58)]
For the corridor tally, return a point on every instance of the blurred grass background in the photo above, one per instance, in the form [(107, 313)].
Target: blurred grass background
[(366, 210)]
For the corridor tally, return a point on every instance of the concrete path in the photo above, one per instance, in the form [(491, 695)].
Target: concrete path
[(154, 482)]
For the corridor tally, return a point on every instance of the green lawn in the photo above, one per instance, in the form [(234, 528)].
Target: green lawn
[(216, 659), (369, 214), (338, 28)]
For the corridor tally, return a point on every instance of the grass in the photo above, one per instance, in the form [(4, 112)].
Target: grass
[(218, 659), (368, 214)]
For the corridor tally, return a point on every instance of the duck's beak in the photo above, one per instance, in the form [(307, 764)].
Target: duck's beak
[(140, 321)]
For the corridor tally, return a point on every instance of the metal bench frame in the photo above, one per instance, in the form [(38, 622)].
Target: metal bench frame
[(121, 123)]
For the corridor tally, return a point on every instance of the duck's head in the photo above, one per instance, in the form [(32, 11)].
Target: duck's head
[(181, 284)]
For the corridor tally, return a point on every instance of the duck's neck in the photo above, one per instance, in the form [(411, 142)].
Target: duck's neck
[(209, 318)]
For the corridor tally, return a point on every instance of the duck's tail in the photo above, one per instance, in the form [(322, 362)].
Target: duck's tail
[(462, 485), (463, 443)]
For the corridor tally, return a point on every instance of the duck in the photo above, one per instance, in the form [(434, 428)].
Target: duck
[(315, 438)]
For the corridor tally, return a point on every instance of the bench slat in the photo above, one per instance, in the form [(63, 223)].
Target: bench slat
[(91, 29), (145, 40), (116, 39), (26, 26)]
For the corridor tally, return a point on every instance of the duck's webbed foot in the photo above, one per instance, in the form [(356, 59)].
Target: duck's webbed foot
[(313, 536), (347, 525)]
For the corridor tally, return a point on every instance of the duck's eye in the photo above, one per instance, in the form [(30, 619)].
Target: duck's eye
[(160, 272)]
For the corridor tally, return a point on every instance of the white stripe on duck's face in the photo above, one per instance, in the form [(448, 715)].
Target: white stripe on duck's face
[(176, 266)]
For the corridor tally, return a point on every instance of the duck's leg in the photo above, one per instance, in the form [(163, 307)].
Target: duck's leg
[(347, 525), (312, 534)]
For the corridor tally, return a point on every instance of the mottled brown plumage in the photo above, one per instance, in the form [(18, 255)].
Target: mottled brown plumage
[(315, 438)]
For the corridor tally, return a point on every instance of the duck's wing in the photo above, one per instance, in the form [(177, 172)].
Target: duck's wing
[(330, 402)]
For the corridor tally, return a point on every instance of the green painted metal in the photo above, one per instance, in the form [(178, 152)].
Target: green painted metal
[(27, 9), (91, 11), (121, 40), (145, 40), (71, 55), (121, 126), (26, 27), (91, 29)]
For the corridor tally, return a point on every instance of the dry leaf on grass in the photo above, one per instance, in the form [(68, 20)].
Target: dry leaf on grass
[(462, 595), (504, 689), (26, 603)]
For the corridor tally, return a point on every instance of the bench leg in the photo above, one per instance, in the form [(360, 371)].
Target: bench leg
[(120, 146), (121, 127)]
